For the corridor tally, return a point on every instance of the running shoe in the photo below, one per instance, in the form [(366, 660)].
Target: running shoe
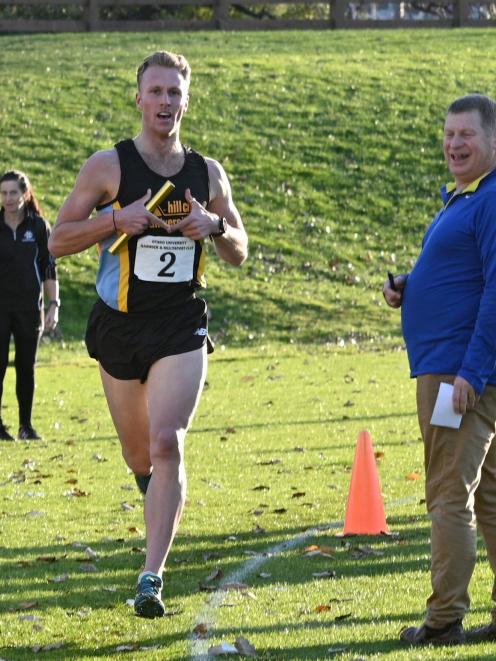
[(28, 433), (4, 434), (148, 599)]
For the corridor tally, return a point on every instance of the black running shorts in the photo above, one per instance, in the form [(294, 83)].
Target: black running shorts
[(127, 345)]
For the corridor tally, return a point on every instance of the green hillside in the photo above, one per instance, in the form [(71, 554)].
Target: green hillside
[(331, 140)]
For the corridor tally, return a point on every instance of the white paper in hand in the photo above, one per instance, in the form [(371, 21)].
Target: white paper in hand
[(444, 414)]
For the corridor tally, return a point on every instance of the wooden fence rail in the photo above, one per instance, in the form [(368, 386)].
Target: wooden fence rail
[(96, 15)]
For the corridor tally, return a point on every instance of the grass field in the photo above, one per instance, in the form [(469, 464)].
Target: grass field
[(269, 460), (332, 142)]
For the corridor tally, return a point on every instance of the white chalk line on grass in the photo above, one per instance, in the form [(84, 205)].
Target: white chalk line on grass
[(199, 646)]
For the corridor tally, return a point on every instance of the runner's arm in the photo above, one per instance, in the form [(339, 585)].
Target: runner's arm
[(232, 246), (97, 184)]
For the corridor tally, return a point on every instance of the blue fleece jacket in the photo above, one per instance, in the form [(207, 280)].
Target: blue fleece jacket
[(449, 302)]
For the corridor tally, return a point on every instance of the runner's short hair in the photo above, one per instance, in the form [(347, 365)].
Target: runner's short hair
[(485, 106), (163, 58)]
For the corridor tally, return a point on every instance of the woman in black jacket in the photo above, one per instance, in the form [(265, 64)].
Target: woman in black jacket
[(25, 264)]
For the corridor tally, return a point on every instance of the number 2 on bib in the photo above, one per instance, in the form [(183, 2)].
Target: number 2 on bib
[(164, 259), (170, 258)]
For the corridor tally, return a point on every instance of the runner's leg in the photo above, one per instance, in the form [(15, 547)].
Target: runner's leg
[(174, 387), (129, 410)]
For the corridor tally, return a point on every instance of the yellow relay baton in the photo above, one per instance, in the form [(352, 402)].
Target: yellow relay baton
[(151, 205)]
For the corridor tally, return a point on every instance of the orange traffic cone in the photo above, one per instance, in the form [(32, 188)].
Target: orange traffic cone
[(365, 509)]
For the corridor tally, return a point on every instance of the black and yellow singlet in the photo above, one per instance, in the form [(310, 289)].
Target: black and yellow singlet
[(155, 270)]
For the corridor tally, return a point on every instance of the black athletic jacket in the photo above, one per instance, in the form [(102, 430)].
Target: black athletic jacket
[(24, 263)]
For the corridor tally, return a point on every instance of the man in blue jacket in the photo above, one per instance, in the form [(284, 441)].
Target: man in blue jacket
[(448, 304)]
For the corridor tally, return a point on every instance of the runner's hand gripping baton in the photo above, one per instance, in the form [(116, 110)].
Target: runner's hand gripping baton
[(151, 205)]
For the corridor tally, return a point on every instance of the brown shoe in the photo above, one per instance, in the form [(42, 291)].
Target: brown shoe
[(451, 634), (487, 633)]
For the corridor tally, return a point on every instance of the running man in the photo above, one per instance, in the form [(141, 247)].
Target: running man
[(148, 329)]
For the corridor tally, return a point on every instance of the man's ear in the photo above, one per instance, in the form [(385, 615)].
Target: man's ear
[(138, 101)]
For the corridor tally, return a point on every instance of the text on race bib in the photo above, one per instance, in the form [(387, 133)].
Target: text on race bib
[(164, 259)]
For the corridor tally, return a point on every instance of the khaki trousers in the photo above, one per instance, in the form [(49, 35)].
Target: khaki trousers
[(460, 467)]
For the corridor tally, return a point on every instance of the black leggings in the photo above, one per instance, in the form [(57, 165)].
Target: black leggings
[(26, 330)]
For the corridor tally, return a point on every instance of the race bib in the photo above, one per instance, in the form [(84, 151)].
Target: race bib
[(164, 258)]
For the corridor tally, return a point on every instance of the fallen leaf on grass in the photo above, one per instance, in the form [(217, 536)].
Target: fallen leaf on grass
[(83, 613), (47, 558), (127, 506), (72, 480), (76, 493), (264, 574), (88, 567), (230, 430), (258, 530), (379, 454), (247, 378), (138, 549), (261, 487), (211, 555), (298, 494), (244, 647), (413, 475), (280, 510), (201, 630), (322, 608), (135, 530), (220, 650), (59, 579), (25, 605), (49, 647), (345, 616), (207, 585), (314, 550), (313, 554), (365, 552), (214, 576), (269, 462), (328, 573), (130, 647)]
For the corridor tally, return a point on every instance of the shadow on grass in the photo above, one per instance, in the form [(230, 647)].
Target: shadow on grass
[(298, 423), (119, 562), (32, 569)]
